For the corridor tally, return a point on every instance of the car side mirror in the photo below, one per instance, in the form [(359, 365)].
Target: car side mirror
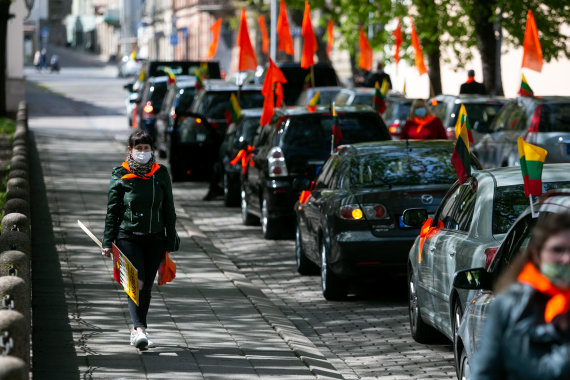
[(128, 87), (414, 217), (472, 279), (300, 184)]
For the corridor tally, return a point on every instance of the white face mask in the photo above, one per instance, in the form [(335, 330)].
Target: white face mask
[(142, 157)]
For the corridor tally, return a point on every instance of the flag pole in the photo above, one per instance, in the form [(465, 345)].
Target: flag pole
[(312, 76), (332, 129), (534, 214)]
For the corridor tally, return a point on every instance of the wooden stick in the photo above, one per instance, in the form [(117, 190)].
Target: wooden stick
[(90, 234)]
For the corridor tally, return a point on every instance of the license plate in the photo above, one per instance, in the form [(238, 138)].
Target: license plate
[(200, 137)]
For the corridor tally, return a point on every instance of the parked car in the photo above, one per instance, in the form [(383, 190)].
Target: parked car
[(297, 145), (324, 74), (355, 96), (396, 114), (326, 95), (149, 103), (351, 226), (129, 67), (467, 229), (480, 109), (542, 121), (516, 240), (196, 140), (179, 97), (157, 68), (133, 89)]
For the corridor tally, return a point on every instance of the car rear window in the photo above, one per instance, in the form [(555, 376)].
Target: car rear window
[(509, 202), (157, 92), (185, 99), (363, 99), (312, 133), (482, 113), (403, 167), (248, 128), (555, 117), (215, 103)]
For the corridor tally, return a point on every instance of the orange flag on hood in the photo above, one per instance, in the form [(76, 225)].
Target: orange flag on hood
[(397, 34), (365, 60), (310, 41), (284, 40), (215, 30), (532, 55), (264, 35), (247, 60), (418, 50), (330, 37)]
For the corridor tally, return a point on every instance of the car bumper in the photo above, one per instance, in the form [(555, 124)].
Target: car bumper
[(281, 199)]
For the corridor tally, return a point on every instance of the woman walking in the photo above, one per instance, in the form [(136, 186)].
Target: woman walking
[(527, 332), (141, 222)]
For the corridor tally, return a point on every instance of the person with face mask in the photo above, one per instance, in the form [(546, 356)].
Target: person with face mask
[(422, 124), (526, 334), (141, 222)]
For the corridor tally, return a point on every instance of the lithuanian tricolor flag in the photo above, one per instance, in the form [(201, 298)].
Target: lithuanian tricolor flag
[(379, 96), (532, 159), (233, 112), (462, 119), (312, 106), (460, 158), (199, 80), (171, 76), (525, 89), (336, 132)]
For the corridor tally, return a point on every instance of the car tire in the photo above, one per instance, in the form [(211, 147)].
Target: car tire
[(270, 227), (421, 332), (334, 289), (231, 192), (464, 367), (305, 266), (455, 322), (246, 218)]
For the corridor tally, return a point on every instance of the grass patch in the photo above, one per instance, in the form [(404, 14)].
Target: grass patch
[(7, 126)]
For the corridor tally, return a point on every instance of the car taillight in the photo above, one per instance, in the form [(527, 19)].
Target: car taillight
[(450, 132), (395, 129), (147, 110), (489, 255), (276, 163), (530, 135), (351, 212), (371, 211)]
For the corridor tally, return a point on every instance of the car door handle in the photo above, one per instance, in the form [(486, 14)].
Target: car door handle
[(452, 253)]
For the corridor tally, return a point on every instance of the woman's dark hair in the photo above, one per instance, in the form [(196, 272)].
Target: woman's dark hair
[(548, 224), (140, 136)]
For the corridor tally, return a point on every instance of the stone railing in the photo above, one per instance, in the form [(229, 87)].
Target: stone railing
[(15, 250)]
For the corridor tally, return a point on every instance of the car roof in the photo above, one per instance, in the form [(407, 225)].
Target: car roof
[(466, 98), (543, 99), (375, 146), (222, 85), (511, 175), (320, 109), (252, 112)]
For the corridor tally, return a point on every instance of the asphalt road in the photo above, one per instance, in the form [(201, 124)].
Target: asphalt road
[(366, 336)]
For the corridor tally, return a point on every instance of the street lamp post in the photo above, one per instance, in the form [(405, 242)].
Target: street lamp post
[(273, 30)]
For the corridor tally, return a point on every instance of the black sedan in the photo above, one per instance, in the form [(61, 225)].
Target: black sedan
[(351, 225)]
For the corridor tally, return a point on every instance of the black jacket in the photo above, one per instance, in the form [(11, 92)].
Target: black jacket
[(140, 205), (377, 76), (473, 88), (516, 342)]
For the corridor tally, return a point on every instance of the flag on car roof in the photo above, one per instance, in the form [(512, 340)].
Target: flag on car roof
[(233, 112), (462, 119), (312, 106), (330, 37), (247, 60), (142, 75), (532, 54), (336, 132), (525, 89), (215, 30), (170, 74), (133, 55), (307, 81), (460, 158), (365, 59), (378, 100), (264, 35), (420, 65), (284, 40), (199, 80), (272, 75), (309, 39), (532, 160)]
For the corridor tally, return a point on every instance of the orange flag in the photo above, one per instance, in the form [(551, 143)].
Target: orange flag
[(285, 41), (418, 50), (273, 75), (247, 60), (330, 37), (532, 55), (215, 30), (310, 41), (264, 35), (397, 34), (365, 60), (268, 108)]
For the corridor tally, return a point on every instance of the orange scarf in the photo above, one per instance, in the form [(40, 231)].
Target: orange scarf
[(559, 301), (422, 122), (470, 80), (153, 170)]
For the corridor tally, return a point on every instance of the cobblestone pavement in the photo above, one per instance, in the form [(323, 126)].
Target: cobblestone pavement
[(366, 336)]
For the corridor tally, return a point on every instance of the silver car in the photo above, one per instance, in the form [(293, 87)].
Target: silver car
[(542, 121), (469, 226)]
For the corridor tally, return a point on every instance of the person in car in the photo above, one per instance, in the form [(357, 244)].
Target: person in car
[(527, 332), (141, 222), (422, 124), (471, 86)]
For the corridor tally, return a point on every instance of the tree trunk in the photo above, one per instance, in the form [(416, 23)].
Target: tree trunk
[(434, 71), (483, 15), (4, 15)]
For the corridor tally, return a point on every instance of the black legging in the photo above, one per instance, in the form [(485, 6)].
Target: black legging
[(145, 252)]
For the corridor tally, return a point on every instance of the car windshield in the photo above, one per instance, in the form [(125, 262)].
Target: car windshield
[(363, 99), (509, 202), (482, 113), (312, 133), (215, 103), (555, 117), (402, 167)]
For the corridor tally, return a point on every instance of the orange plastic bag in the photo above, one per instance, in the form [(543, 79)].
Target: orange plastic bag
[(166, 270)]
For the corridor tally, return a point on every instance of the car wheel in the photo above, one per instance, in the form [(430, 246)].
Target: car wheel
[(304, 265), (464, 367), (246, 218), (456, 321), (421, 332), (231, 192), (333, 287), (270, 227)]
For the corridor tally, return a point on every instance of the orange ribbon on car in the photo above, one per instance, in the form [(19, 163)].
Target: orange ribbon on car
[(427, 230), (130, 175), (306, 194), (244, 155), (559, 301)]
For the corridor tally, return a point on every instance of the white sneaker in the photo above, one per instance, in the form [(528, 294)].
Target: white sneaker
[(150, 342), (139, 339)]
